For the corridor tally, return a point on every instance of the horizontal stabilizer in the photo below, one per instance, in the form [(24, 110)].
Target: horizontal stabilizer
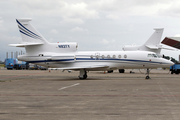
[(152, 46), (25, 44)]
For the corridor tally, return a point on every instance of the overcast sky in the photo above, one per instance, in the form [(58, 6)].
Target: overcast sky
[(93, 24)]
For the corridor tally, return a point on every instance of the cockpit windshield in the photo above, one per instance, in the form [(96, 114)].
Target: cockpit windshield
[(154, 55), (158, 56)]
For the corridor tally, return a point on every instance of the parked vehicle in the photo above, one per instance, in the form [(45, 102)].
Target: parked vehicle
[(42, 68), (19, 66), (175, 69), (10, 62), (33, 67)]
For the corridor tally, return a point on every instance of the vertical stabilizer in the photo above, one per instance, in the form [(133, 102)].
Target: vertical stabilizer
[(152, 44), (155, 38), (28, 33)]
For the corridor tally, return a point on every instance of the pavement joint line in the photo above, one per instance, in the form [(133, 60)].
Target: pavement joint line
[(69, 86)]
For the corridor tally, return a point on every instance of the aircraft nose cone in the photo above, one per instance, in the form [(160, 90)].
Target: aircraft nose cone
[(170, 63)]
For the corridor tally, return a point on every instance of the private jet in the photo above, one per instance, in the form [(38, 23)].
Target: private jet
[(64, 55)]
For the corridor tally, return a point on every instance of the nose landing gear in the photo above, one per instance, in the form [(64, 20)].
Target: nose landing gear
[(148, 71)]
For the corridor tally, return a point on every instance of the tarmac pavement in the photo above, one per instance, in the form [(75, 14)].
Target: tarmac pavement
[(57, 95)]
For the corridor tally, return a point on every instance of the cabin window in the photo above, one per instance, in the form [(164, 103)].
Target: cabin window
[(119, 56), (108, 56), (41, 55), (97, 56), (150, 55), (103, 56), (91, 56), (114, 56), (125, 56)]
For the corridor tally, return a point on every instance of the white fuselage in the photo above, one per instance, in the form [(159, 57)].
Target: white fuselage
[(86, 59)]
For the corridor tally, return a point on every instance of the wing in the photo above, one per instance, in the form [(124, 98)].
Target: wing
[(88, 68)]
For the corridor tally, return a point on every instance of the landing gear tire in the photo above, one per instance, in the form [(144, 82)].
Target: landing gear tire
[(147, 77), (83, 74), (121, 70), (84, 77)]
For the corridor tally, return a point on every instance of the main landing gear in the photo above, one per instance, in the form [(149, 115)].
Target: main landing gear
[(148, 71), (83, 74)]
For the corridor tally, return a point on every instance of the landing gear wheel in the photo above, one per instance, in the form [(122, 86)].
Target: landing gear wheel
[(83, 74), (147, 77), (84, 77)]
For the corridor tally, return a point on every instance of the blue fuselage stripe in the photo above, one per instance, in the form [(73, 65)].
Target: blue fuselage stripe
[(94, 60), (41, 61)]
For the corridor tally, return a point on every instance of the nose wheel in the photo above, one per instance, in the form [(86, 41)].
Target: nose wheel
[(147, 77), (148, 71), (83, 74)]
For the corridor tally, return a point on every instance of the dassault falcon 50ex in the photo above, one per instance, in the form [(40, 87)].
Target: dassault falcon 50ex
[(66, 57)]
